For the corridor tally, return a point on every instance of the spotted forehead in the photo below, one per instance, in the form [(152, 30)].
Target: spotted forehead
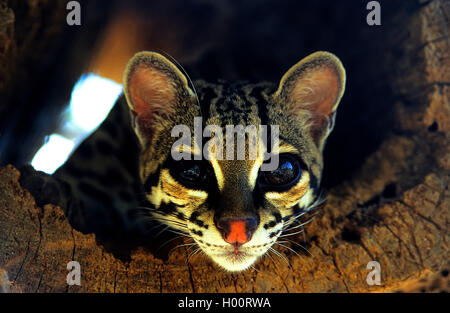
[(234, 103)]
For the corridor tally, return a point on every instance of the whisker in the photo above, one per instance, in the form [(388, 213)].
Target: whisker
[(296, 218), (186, 244), (298, 225), (145, 210), (253, 267), (158, 225), (293, 218), (183, 245), (163, 230), (268, 254), (180, 233), (304, 238), (321, 198), (292, 234), (161, 219), (289, 248), (169, 221), (158, 215), (170, 240), (192, 254), (170, 229), (291, 241), (295, 215), (280, 255)]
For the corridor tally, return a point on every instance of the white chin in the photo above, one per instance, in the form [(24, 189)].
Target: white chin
[(234, 264)]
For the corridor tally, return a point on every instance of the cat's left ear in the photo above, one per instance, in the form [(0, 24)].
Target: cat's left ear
[(157, 94), (311, 90)]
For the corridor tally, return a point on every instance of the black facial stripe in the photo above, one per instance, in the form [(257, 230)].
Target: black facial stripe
[(277, 216), (297, 209), (313, 183), (152, 180), (194, 216), (200, 223), (275, 233), (194, 219), (196, 232), (275, 222), (261, 103), (181, 216), (271, 224), (147, 204), (167, 208)]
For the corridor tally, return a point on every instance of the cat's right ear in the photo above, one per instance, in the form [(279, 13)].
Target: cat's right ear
[(311, 90), (155, 90)]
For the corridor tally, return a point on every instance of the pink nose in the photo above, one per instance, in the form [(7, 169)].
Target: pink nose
[(237, 231)]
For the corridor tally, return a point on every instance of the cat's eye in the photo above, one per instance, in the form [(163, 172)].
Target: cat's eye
[(287, 173), (190, 172)]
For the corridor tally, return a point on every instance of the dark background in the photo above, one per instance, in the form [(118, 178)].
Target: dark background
[(232, 40)]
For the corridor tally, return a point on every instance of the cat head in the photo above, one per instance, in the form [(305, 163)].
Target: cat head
[(225, 199)]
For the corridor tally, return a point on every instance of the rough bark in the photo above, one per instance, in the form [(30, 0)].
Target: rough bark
[(394, 209), (408, 237)]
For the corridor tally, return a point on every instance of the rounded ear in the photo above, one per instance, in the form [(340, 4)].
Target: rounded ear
[(155, 90), (314, 86)]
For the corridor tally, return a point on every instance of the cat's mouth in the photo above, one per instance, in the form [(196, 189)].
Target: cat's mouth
[(236, 253), (235, 261), (235, 258)]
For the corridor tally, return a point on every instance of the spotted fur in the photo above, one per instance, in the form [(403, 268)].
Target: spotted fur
[(158, 96)]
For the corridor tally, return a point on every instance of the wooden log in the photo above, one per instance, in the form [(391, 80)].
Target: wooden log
[(408, 237)]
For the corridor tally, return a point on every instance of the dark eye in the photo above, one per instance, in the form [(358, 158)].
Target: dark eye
[(190, 171), (287, 173)]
